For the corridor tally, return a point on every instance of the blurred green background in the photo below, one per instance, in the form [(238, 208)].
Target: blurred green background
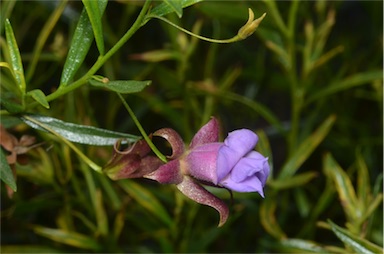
[(308, 82)]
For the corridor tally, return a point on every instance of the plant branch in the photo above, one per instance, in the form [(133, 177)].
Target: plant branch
[(141, 129), (102, 59)]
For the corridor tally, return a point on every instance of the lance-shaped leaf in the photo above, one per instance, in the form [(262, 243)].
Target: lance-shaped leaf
[(268, 218), (122, 86), (80, 44), (39, 96), (11, 106), (146, 199), (6, 173), (95, 15), (78, 133), (197, 193), (294, 181), (344, 187), (175, 6), (347, 83), (358, 244), (302, 245), (306, 148), (70, 238), (168, 7), (17, 65)]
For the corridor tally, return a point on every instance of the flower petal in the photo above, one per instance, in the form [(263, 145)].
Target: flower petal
[(250, 184), (201, 162), (249, 165), (236, 145), (241, 141), (197, 193), (209, 133)]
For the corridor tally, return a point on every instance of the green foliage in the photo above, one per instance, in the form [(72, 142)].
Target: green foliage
[(355, 243), (15, 58), (122, 86), (94, 11), (308, 81), (82, 134), (6, 172), (80, 45)]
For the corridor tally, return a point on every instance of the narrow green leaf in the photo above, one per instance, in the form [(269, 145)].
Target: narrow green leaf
[(39, 96), (323, 202), (101, 215), (306, 148), (110, 192), (95, 16), (62, 139), (363, 184), (372, 206), (268, 218), (5, 12), (259, 108), (146, 199), (303, 245), (9, 121), (17, 65), (347, 83), (70, 238), (11, 106), (344, 187), (275, 42), (80, 45), (79, 133), (122, 86), (119, 223), (294, 181), (6, 173), (358, 244), (42, 38), (41, 172), (166, 8), (175, 6)]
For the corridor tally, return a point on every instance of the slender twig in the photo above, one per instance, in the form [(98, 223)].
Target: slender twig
[(141, 129), (233, 39)]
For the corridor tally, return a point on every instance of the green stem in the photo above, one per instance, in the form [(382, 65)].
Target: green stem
[(142, 131), (233, 39), (296, 90), (277, 17), (102, 59)]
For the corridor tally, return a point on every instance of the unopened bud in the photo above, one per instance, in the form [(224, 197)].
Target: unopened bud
[(250, 27)]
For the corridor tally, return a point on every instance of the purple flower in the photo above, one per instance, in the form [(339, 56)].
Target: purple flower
[(232, 164)]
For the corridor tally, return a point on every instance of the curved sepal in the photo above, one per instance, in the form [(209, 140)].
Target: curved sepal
[(173, 139), (197, 193), (209, 133), (169, 173)]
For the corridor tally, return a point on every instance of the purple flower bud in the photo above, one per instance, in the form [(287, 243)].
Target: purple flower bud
[(133, 162)]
